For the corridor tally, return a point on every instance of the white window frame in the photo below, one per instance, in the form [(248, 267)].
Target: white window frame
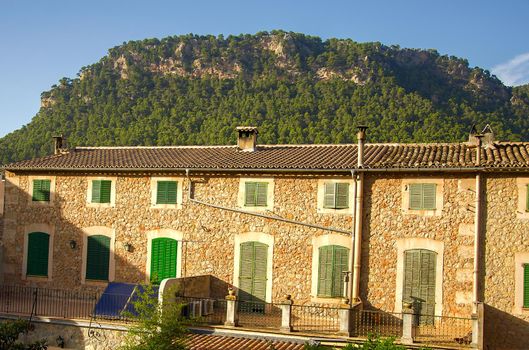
[(103, 231), (405, 192), (30, 190), (179, 192), (44, 228), (269, 195), (522, 210), (164, 233), (520, 259), (112, 203), (321, 197)]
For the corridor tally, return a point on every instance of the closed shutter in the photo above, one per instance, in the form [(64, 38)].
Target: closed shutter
[(38, 254), (526, 286), (527, 198), (329, 196), (163, 259), (97, 257), (422, 196), (428, 196), (419, 282), (253, 271), (166, 192), (101, 191), (255, 194), (416, 196), (342, 195), (41, 190), (333, 261)]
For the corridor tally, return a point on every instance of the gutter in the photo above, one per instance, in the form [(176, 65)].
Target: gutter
[(277, 218)]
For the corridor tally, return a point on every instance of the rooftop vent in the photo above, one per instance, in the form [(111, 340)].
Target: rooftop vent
[(247, 139)]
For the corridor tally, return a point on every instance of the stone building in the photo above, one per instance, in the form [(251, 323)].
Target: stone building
[(442, 226)]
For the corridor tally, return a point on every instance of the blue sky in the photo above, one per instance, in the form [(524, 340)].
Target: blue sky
[(43, 41)]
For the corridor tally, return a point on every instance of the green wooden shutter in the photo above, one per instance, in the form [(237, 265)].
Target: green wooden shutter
[(428, 196), (260, 196), (97, 257), (526, 286), (416, 196), (325, 271), (341, 259), (166, 192), (253, 271), (38, 254), (41, 190), (250, 188), (419, 282), (329, 195), (101, 191), (342, 195), (163, 259), (527, 198)]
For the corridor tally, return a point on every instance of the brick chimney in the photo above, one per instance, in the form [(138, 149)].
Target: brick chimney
[(247, 138)]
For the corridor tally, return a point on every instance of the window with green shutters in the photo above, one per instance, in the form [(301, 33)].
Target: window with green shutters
[(166, 192), (527, 198), (255, 194), (38, 254), (526, 285), (333, 261), (97, 257), (253, 271), (41, 190), (422, 196), (163, 259), (101, 191), (336, 195)]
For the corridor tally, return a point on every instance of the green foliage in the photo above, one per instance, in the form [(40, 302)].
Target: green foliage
[(297, 89), (9, 333), (157, 326)]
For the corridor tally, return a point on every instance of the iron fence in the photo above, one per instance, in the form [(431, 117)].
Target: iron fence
[(47, 302), (445, 330), (377, 322), (315, 319), (259, 315)]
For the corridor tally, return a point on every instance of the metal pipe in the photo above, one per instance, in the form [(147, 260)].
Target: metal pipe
[(358, 238), (319, 227), (351, 263), (477, 229)]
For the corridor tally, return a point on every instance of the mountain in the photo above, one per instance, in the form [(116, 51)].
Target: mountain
[(296, 88)]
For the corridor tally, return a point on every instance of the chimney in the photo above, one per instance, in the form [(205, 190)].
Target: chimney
[(478, 149), (361, 136), (488, 136), (57, 144), (247, 139)]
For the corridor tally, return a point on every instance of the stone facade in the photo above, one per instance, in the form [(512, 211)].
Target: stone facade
[(208, 235)]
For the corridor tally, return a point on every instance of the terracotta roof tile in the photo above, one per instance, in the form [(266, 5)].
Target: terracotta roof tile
[(282, 157), (218, 342)]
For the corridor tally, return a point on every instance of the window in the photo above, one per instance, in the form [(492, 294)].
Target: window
[(163, 259), (41, 191), (166, 192), (97, 257), (336, 196), (527, 198), (526, 285), (333, 261), (422, 196), (255, 194), (101, 190), (38, 254)]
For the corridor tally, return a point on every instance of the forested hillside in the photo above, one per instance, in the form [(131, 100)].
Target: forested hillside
[(296, 88)]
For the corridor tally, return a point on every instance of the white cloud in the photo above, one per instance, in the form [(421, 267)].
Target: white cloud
[(515, 71)]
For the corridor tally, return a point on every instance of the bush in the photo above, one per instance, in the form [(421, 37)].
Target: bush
[(11, 330)]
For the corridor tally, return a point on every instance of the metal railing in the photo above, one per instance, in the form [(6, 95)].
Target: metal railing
[(259, 315), (375, 322), (444, 330), (47, 302), (315, 319)]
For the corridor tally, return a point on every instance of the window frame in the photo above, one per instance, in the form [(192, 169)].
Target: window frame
[(261, 187), (334, 271), (42, 228), (154, 192), (321, 207), (421, 188), (31, 189), (89, 194), (241, 198), (406, 208), (94, 231)]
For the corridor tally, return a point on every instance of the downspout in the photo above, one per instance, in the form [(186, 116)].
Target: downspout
[(477, 227), (359, 194), (351, 261)]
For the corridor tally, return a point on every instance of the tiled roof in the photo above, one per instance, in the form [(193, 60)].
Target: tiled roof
[(218, 342), (282, 157)]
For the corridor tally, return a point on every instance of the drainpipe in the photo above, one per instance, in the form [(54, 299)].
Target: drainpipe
[(477, 227), (359, 194), (351, 261)]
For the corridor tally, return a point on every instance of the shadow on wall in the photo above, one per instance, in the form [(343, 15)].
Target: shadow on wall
[(503, 331)]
